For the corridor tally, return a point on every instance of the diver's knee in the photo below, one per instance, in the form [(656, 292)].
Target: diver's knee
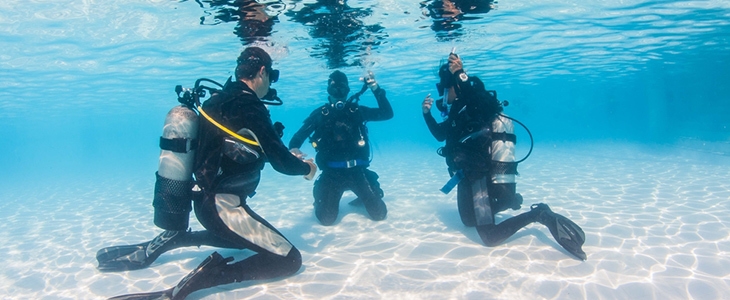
[(377, 209), (491, 243), (326, 219), (490, 235), (327, 222), (293, 261), (379, 216)]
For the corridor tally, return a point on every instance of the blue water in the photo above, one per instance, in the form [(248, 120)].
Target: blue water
[(86, 85)]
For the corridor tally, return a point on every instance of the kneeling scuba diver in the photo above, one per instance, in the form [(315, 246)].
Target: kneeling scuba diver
[(479, 152), (337, 131), (175, 188)]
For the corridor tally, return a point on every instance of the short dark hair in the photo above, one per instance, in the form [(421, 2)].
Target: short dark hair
[(250, 62)]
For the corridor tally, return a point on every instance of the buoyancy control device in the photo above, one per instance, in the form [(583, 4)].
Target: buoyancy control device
[(175, 185), (345, 135)]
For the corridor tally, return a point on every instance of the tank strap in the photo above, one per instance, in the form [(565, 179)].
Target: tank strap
[(179, 145), (503, 136)]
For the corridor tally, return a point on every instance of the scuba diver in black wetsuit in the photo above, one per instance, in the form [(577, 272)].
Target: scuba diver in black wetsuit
[(228, 169), (470, 114), (340, 137)]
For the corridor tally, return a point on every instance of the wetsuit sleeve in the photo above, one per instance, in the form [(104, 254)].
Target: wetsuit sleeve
[(278, 155), (384, 110), (310, 123), (438, 130)]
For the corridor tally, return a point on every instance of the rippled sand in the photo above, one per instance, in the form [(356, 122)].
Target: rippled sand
[(656, 224)]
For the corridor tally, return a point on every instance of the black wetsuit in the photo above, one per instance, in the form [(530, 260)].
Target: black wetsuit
[(223, 210), (343, 154), (467, 132), (228, 171)]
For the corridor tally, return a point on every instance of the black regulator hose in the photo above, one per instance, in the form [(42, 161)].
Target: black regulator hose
[(532, 141)]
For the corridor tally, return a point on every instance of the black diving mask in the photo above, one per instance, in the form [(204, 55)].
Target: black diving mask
[(338, 90), (273, 75), (446, 79)]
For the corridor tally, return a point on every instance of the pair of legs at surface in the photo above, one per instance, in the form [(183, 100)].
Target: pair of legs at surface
[(229, 223), (477, 208), (332, 183)]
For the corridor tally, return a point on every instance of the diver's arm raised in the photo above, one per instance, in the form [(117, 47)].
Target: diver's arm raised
[(437, 130), (384, 110)]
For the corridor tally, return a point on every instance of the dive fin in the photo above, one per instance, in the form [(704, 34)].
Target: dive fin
[(134, 257), (123, 258), (203, 276), (566, 232)]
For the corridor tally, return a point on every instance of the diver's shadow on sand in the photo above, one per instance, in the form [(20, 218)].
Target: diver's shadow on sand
[(450, 217), (308, 224)]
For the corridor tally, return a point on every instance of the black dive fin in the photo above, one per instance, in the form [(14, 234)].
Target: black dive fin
[(206, 275), (566, 232), (123, 258), (139, 256)]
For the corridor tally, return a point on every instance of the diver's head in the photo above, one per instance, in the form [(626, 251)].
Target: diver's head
[(337, 87), (254, 68), (445, 86)]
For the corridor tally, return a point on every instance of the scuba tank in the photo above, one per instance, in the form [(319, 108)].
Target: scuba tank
[(173, 188), (503, 169), (503, 151)]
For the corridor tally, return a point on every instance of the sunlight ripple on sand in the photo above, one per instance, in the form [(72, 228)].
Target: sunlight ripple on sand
[(656, 227)]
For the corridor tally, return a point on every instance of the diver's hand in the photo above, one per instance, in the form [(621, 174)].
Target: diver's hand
[(298, 153), (312, 169), (455, 63), (370, 81), (427, 103)]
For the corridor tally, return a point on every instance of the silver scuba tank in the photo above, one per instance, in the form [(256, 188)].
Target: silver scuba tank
[(503, 150), (173, 188)]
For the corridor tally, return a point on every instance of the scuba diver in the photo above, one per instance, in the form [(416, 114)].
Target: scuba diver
[(227, 170), (478, 139), (340, 137)]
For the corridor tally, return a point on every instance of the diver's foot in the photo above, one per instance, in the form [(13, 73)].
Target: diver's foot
[(538, 208), (207, 274), (139, 256), (568, 234)]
